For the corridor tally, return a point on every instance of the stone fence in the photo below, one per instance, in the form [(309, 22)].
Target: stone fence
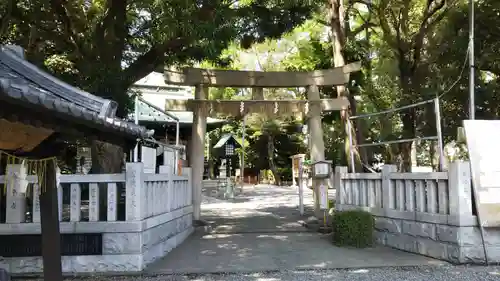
[(425, 213), (109, 222)]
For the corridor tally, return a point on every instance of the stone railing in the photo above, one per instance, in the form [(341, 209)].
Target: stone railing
[(132, 218), (84, 197), (426, 213), (220, 188)]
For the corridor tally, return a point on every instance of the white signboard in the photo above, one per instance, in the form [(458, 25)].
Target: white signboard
[(321, 169), (323, 196), (483, 137), (148, 157), (300, 168)]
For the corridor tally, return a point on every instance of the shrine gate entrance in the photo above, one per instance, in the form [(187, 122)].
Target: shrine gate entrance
[(202, 107)]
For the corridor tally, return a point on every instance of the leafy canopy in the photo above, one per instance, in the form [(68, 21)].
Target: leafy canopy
[(104, 46)]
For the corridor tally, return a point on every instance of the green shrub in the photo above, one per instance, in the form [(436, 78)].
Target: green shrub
[(331, 203), (353, 228)]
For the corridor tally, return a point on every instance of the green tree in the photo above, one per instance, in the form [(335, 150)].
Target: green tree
[(449, 64), (105, 46), (405, 28)]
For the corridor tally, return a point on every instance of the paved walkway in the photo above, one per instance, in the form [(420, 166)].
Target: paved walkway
[(260, 231)]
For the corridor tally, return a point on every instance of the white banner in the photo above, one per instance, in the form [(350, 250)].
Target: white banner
[(483, 137)]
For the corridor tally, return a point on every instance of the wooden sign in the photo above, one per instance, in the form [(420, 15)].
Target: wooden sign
[(296, 165), (323, 197), (484, 154)]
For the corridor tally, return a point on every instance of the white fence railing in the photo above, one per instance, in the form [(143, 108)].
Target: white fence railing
[(133, 195), (434, 197)]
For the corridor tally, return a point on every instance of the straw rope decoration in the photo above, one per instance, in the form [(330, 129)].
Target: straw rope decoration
[(37, 167)]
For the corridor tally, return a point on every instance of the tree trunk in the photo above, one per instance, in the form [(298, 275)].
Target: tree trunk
[(432, 153), (408, 132), (408, 117), (270, 156), (338, 23), (106, 159)]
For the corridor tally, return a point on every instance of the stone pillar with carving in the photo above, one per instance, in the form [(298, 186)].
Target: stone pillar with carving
[(134, 205), (316, 142), (197, 149), (17, 183)]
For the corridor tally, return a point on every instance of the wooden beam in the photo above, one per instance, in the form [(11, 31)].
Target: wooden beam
[(51, 235), (270, 79), (187, 105)]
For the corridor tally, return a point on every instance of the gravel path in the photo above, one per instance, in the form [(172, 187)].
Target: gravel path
[(445, 273)]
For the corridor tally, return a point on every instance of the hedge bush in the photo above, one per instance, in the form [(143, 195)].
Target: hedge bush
[(353, 228)]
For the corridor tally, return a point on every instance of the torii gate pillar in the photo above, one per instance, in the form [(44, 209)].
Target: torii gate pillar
[(316, 142), (197, 149)]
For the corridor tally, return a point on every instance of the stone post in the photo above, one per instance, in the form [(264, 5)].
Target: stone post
[(341, 194), (197, 153), (17, 183), (460, 192), (187, 173), (316, 142), (148, 157), (134, 181), (387, 190)]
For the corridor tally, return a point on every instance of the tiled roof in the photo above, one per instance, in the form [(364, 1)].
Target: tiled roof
[(23, 82), (225, 138)]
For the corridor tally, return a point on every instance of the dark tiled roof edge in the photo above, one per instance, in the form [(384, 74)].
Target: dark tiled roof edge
[(29, 72), (35, 97)]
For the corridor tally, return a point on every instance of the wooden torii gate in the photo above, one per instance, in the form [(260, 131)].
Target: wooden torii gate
[(202, 107)]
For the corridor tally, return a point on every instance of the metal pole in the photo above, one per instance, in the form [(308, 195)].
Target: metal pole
[(472, 105), (301, 186), (136, 121), (177, 133), (177, 155), (351, 147), (391, 110), (396, 141), (437, 112), (242, 174)]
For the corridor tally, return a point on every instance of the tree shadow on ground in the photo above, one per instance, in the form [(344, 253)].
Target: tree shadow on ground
[(264, 233), (260, 220), (260, 252)]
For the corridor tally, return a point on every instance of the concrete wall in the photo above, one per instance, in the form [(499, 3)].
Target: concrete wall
[(127, 246), (159, 215), (425, 213), (456, 244)]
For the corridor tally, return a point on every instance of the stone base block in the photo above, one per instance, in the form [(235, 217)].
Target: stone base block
[(455, 244)]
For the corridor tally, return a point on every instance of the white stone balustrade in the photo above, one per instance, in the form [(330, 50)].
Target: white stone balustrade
[(425, 213), (422, 196), (146, 194), (156, 215)]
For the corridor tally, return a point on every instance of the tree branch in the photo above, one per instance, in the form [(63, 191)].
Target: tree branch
[(113, 31), (361, 28), (425, 26), (5, 21), (62, 13), (150, 60), (367, 23), (384, 24)]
